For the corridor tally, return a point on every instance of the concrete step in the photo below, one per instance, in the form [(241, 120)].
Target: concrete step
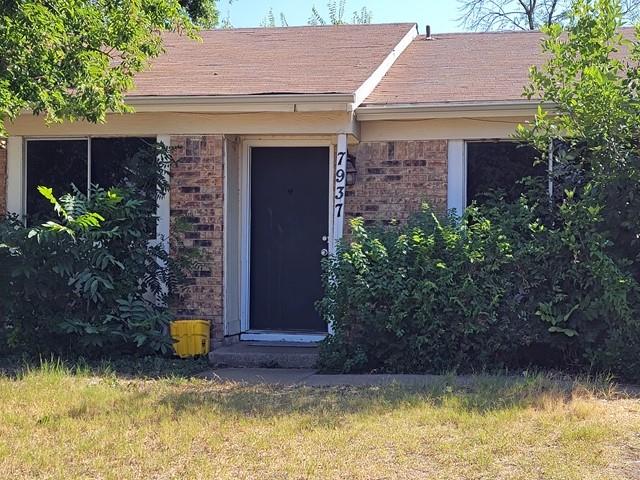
[(271, 355)]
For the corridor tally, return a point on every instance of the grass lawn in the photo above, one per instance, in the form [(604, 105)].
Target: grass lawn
[(57, 423)]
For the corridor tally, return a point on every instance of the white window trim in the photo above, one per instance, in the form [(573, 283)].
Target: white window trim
[(457, 176), (245, 234)]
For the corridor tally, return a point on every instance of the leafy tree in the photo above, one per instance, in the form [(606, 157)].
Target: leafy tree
[(269, 21), (363, 16), (525, 14), (336, 12), (596, 118), (75, 59), (203, 12), (336, 15)]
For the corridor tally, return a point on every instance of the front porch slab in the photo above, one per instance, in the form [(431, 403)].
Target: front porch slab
[(270, 355)]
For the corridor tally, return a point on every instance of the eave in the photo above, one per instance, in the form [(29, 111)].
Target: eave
[(448, 110), (243, 103)]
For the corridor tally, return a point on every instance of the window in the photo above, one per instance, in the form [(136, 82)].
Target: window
[(59, 164), (500, 166)]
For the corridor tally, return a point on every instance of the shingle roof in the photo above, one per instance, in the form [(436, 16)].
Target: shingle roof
[(464, 67), (461, 67), (297, 60)]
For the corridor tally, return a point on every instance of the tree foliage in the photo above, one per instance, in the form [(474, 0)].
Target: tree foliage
[(203, 12), (525, 14), (593, 79), (75, 59), (269, 21), (336, 11), (336, 15)]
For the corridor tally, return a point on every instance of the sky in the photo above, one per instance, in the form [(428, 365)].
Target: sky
[(440, 14)]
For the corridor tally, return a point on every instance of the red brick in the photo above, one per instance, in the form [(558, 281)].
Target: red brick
[(197, 195), (395, 178)]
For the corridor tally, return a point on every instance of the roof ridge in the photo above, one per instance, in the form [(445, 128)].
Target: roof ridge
[(503, 32), (300, 27)]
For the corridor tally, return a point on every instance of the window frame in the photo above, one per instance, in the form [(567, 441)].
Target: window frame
[(25, 160), (163, 210), (457, 165)]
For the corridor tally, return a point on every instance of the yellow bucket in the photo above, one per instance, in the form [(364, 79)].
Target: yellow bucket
[(192, 337)]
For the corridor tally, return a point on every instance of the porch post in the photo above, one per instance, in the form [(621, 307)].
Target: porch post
[(164, 204), (457, 177), (15, 176), (339, 191)]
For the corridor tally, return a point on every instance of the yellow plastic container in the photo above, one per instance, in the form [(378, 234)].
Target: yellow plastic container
[(192, 337)]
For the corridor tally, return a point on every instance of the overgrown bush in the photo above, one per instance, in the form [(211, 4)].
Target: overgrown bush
[(547, 280), (495, 289), (95, 281), (428, 296)]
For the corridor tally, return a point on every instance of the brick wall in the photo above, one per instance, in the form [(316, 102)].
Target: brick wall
[(395, 178), (3, 178), (197, 195)]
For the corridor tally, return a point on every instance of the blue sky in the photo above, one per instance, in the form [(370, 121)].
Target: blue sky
[(440, 14)]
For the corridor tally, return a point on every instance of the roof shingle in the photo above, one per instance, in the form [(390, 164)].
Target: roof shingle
[(461, 67), (465, 68), (259, 61)]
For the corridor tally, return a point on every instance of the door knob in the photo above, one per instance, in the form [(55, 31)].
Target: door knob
[(324, 252)]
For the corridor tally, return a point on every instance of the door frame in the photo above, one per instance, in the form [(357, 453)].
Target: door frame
[(245, 234)]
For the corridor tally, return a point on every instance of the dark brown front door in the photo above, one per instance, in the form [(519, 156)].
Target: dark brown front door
[(289, 227)]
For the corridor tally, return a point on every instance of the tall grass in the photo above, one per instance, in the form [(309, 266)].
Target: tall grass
[(62, 420)]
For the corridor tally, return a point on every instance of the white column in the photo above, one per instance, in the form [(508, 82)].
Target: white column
[(15, 176), (457, 177), (164, 206), (340, 190)]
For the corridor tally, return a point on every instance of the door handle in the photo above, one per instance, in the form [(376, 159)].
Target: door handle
[(324, 252)]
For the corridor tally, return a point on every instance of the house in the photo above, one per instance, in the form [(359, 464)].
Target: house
[(284, 134)]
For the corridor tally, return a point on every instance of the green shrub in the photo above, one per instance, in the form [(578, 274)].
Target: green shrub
[(94, 282), (498, 288)]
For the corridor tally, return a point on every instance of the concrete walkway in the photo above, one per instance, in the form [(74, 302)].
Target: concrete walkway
[(310, 378)]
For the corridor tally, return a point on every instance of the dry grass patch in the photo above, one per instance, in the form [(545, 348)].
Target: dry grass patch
[(59, 424)]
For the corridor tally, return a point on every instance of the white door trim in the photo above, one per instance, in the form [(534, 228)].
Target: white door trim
[(245, 232)]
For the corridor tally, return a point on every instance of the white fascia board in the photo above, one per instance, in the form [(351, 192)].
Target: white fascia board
[(242, 103), (376, 77), (449, 110)]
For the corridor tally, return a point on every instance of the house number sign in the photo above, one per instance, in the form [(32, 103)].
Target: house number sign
[(340, 187), (341, 176)]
